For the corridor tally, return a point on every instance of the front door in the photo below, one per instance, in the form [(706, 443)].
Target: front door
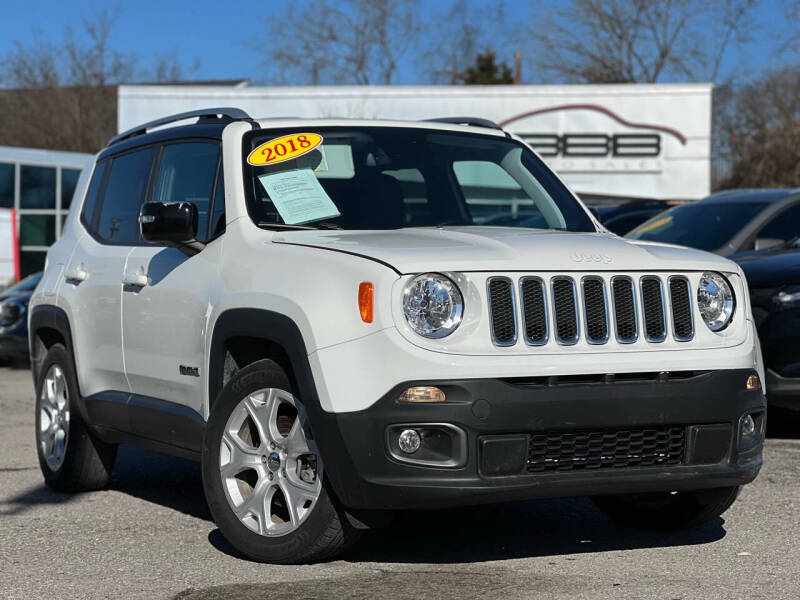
[(166, 298)]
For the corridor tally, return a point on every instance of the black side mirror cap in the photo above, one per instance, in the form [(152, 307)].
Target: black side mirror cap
[(172, 224)]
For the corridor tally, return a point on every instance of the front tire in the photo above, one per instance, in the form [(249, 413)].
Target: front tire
[(668, 510), (263, 476), (71, 457)]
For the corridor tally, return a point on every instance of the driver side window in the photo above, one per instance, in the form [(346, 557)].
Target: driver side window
[(186, 174)]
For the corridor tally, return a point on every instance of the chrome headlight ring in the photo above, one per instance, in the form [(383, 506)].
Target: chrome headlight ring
[(432, 305), (715, 300)]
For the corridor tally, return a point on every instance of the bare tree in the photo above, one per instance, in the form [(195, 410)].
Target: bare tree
[(791, 10), (342, 42), (462, 31), (761, 129), (626, 41), (62, 95)]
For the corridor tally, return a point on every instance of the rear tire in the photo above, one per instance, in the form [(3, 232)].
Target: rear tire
[(668, 511), (71, 457), (245, 461)]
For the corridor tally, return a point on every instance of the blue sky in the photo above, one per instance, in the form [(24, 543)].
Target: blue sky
[(223, 35)]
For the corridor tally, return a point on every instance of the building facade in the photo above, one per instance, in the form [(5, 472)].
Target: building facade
[(37, 187)]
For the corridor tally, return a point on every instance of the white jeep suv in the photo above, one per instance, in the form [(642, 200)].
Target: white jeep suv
[(345, 318)]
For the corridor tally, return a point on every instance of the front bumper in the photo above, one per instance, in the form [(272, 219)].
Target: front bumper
[(705, 407)]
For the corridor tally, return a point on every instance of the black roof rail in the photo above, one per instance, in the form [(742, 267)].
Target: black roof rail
[(225, 114), (474, 121)]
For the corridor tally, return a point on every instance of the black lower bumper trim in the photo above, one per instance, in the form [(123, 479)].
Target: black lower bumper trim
[(614, 437)]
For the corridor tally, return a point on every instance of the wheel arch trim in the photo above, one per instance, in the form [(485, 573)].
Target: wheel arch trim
[(279, 329)]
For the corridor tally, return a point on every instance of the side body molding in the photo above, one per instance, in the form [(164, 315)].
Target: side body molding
[(117, 416)]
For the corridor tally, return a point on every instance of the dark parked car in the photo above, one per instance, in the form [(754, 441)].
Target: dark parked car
[(774, 279), (728, 222), (622, 218), (14, 318)]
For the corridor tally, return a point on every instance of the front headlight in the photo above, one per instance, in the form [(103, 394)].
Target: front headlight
[(715, 300), (432, 305)]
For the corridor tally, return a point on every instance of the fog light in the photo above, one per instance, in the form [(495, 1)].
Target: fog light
[(409, 441), (753, 382), (748, 426), (424, 393)]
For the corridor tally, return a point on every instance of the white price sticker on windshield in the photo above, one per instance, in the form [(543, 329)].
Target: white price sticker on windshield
[(298, 196)]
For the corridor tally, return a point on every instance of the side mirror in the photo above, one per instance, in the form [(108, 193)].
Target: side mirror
[(764, 243), (171, 224)]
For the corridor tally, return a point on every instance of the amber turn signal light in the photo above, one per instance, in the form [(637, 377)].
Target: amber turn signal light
[(753, 382), (423, 393), (366, 294)]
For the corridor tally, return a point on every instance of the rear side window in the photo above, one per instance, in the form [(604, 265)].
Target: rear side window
[(186, 174), (127, 181), (93, 194)]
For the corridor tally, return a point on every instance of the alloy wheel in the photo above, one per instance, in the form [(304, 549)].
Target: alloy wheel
[(54, 417), (270, 468)]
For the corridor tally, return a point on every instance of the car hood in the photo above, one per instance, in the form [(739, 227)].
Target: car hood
[(773, 268), (416, 250)]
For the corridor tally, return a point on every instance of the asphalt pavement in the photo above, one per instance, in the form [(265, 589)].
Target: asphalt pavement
[(150, 536)]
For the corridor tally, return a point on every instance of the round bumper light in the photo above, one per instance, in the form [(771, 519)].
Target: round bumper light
[(748, 426), (409, 441), (423, 393)]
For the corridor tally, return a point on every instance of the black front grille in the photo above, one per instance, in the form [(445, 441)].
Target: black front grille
[(648, 306), (564, 305), (534, 309), (653, 304), (594, 304), (501, 309), (624, 309), (681, 308), (610, 449)]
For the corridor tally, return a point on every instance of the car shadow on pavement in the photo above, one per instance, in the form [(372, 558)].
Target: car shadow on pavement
[(39, 495), (536, 528), (166, 480)]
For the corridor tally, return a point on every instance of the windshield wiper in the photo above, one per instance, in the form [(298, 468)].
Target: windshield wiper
[(280, 226)]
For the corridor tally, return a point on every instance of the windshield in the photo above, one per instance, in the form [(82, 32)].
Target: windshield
[(707, 226), (26, 285), (393, 177)]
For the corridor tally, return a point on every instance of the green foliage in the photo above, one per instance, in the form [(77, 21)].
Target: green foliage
[(486, 71)]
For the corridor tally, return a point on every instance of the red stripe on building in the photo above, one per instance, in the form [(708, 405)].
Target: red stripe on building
[(15, 244)]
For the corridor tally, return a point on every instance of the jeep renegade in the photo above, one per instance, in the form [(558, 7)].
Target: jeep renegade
[(343, 318)]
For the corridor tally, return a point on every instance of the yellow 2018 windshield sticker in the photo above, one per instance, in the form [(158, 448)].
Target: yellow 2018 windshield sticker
[(284, 148)]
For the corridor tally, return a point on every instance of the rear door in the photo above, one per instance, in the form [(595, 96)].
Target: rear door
[(93, 277), (164, 315)]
